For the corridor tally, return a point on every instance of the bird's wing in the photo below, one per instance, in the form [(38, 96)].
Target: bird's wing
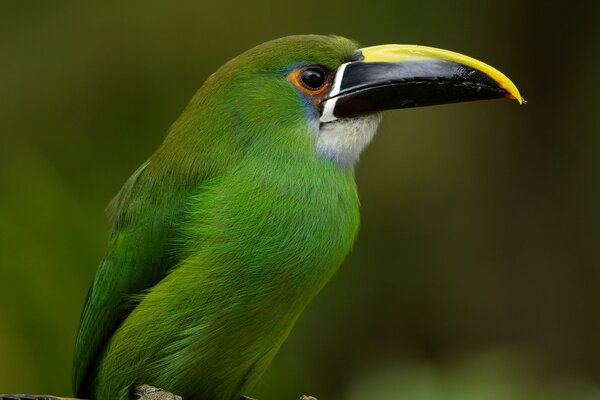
[(138, 257)]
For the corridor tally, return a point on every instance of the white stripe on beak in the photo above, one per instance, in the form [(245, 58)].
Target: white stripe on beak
[(329, 106)]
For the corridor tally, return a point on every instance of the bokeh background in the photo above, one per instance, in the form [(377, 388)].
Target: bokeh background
[(476, 274)]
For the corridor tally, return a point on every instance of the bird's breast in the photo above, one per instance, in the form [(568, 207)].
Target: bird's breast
[(285, 226)]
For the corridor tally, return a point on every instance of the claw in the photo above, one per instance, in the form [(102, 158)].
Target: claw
[(147, 392)]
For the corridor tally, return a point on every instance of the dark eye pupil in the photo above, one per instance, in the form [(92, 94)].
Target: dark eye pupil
[(312, 78)]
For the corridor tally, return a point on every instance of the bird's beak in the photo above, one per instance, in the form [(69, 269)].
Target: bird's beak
[(401, 76)]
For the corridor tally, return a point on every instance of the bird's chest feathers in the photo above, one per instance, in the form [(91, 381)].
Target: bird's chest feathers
[(279, 219)]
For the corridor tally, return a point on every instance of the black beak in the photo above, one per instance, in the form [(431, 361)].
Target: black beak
[(394, 76)]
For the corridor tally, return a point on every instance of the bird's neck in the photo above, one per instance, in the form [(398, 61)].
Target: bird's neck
[(343, 140)]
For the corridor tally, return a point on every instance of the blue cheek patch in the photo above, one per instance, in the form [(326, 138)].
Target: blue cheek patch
[(309, 107)]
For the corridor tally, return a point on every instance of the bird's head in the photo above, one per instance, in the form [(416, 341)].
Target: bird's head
[(336, 89)]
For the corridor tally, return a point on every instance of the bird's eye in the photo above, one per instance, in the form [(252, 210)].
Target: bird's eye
[(312, 78)]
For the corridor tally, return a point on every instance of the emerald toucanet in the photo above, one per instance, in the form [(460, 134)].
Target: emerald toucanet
[(221, 239)]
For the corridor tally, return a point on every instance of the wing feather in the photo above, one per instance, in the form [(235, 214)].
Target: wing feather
[(137, 258)]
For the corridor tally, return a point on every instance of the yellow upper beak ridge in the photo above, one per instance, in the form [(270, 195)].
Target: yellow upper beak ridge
[(402, 52)]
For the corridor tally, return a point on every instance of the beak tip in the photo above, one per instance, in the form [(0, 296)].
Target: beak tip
[(518, 98)]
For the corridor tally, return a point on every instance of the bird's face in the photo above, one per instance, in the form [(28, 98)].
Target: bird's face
[(337, 89)]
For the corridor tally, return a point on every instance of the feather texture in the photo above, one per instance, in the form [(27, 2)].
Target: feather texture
[(222, 238)]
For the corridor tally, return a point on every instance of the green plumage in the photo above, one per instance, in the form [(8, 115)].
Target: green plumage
[(222, 238)]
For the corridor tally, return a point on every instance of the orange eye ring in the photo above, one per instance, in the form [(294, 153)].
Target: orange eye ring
[(312, 80)]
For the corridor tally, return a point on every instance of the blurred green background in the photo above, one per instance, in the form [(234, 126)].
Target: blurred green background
[(476, 274)]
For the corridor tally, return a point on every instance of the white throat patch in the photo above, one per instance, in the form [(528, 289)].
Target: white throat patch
[(343, 139)]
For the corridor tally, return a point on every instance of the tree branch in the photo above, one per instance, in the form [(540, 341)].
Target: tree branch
[(143, 392)]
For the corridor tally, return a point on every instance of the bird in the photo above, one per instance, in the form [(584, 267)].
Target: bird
[(234, 224)]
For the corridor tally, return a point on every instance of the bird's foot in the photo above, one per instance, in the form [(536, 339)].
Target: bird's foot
[(304, 397), (147, 392)]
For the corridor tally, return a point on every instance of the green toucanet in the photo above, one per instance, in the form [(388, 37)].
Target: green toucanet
[(221, 239)]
